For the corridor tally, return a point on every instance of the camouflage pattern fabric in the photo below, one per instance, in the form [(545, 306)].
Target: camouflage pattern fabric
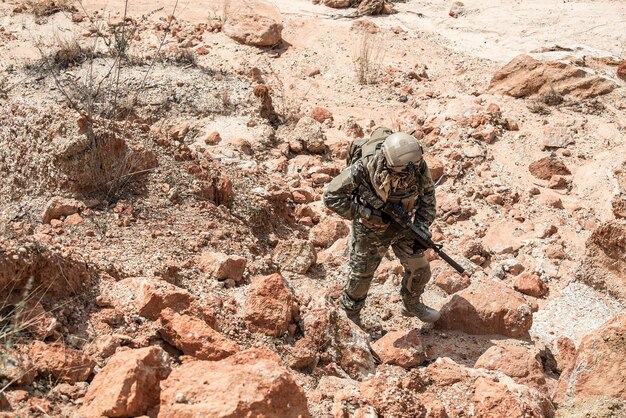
[(368, 245)]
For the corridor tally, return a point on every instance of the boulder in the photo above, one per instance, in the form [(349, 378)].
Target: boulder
[(271, 307), (336, 338), (499, 399), (487, 308), (604, 266), (530, 284), (154, 295), (128, 385), (295, 256), (519, 363), (525, 76), (547, 167), (253, 29), (400, 348), (59, 362), (599, 367), (250, 383), (221, 266), (451, 282), (194, 337), (329, 230)]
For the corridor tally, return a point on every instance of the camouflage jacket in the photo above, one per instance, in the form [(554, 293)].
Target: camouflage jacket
[(353, 186)]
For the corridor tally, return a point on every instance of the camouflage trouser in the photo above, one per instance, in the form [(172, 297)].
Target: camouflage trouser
[(366, 250)]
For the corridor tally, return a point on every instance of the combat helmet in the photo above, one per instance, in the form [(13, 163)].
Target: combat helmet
[(401, 151)]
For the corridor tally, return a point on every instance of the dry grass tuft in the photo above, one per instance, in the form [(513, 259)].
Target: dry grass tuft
[(368, 58)]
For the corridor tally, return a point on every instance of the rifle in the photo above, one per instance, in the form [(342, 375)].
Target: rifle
[(422, 236)]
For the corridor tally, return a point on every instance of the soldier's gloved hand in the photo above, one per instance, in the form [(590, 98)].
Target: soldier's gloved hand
[(372, 218)]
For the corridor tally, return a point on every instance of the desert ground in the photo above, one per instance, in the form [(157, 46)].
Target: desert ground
[(165, 251)]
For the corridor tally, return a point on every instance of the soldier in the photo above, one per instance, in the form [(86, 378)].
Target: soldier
[(390, 168)]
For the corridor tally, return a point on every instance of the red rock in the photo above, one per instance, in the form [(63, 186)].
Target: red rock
[(303, 196), (452, 282), (497, 400), (551, 201), (530, 284), (516, 362), (128, 385), (303, 355), (390, 394), (547, 167), (435, 166), (525, 76), (309, 133), (336, 338), (619, 206), (72, 220), (180, 131), (329, 230), (295, 256), (564, 351), (434, 407), (599, 368), (16, 368), (253, 29), (445, 372), (270, 306), (605, 258), (320, 178), (337, 4), (58, 206), (400, 348), (488, 308), (202, 50), (213, 138), (621, 70), (221, 266), (61, 363), (247, 384), (320, 114), (194, 337), (457, 9), (154, 295)]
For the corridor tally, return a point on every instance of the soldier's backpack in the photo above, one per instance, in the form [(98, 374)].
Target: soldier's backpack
[(366, 147)]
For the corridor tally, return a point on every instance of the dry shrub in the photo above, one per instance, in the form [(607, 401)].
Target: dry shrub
[(43, 8), (368, 58), (182, 56), (551, 98), (68, 52)]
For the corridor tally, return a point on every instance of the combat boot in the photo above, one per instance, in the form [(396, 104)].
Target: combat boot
[(421, 311), (352, 309)]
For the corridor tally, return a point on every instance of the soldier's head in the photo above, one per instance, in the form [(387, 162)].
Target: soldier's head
[(402, 152)]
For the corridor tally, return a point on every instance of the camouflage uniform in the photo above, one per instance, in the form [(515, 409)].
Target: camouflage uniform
[(369, 243)]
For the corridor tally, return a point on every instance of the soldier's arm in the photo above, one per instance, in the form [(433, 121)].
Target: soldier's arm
[(338, 196), (426, 208)]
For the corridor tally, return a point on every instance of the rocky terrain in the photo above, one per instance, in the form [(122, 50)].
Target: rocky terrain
[(165, 251)]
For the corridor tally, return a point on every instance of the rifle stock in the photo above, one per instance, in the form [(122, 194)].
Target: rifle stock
[(422, 236)]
